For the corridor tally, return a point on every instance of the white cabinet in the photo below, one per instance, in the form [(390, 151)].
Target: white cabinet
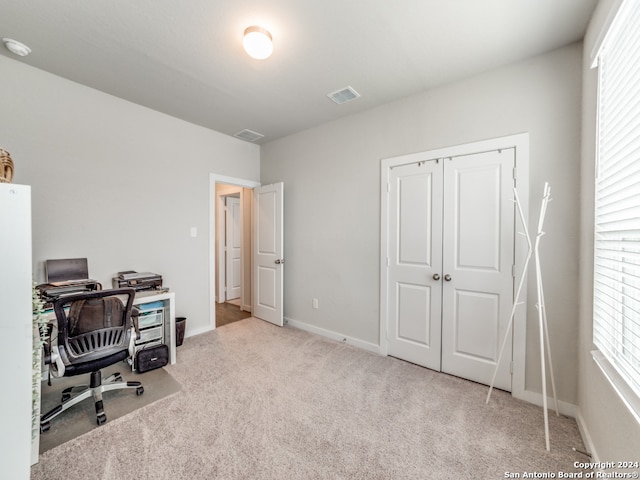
[(15, 330)]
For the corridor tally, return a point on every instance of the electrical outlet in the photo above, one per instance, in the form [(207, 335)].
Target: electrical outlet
[(314, 303)]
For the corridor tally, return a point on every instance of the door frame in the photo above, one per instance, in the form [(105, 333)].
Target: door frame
[(520, 142), (213, 180)]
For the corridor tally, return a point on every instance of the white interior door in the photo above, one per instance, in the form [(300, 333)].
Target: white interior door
[(267, 253), (233, 247), (415, 262), (478, 259)]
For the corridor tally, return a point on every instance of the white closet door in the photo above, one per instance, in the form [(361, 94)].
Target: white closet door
[(478, 255), (415, 262)]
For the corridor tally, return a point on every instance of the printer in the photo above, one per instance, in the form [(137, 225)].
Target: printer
[(138, 281)]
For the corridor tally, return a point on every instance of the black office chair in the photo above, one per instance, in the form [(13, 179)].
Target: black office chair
[(95, 330)]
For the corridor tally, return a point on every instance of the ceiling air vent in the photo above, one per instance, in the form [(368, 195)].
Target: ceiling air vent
[(344, 95), (248, 135)]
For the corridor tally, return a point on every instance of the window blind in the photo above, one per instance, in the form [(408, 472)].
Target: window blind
[(616, 326)]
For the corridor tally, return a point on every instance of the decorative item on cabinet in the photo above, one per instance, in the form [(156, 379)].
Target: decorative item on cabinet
[(6, 167)]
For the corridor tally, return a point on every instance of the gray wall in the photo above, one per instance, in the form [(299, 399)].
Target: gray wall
[(116, 182), (611, 430), (332, 195)]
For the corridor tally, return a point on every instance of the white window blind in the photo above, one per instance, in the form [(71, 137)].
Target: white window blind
[(616, 326)]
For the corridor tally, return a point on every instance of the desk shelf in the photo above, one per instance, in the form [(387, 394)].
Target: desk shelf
[(157, 313), (151, 326)]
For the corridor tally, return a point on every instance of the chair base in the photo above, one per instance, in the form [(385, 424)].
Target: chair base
[(95, 390)]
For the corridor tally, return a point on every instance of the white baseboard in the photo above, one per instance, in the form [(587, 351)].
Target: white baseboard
[(372, 347), (565, 408), (586, 438), (245, 308), (198, 331)]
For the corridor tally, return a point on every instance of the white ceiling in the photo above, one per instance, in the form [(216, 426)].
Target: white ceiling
[(185, 58)]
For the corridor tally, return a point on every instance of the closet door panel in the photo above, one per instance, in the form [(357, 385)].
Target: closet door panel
[(478, 250), (415, 256)]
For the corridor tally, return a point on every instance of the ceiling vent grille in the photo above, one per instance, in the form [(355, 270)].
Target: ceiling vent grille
[(343, 95), (248, 135)]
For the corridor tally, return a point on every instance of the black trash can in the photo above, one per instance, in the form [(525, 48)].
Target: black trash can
[(181, 323)]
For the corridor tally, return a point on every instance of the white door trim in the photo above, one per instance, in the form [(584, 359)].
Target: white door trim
[(521, 144), (213, 179)]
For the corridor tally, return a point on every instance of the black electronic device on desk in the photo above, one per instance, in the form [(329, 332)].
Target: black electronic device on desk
[(138, 281), (66, 276)]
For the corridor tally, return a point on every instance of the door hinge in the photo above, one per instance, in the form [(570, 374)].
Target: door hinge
[(513, 271), (511, 367), (387, 261)]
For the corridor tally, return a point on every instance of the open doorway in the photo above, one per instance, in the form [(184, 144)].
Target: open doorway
[(233, 253), (230, 272)]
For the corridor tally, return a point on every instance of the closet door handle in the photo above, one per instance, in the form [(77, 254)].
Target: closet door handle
[(447, 277), (436, 276)]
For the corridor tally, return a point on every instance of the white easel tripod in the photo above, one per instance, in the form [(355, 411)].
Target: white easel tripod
[(542, 314)]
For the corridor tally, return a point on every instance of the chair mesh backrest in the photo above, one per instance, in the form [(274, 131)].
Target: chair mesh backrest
[(96, 326), (88, 315)]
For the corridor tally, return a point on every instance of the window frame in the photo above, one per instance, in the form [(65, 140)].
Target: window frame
[(608, 359)]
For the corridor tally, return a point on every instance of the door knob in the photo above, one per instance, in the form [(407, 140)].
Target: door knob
[(447, 277), (279, 261), (436, 276)]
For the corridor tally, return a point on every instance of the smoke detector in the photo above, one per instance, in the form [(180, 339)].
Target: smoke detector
[(16, 47)]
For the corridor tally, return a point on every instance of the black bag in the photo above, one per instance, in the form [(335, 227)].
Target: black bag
[(151, 358)]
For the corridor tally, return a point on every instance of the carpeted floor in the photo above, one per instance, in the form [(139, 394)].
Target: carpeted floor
[(263, 402)]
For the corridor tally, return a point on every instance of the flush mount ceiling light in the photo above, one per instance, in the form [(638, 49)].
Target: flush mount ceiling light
[(257, 42), (16, 47)]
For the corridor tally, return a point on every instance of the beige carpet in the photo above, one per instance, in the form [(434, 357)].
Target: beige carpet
[(262, 402)]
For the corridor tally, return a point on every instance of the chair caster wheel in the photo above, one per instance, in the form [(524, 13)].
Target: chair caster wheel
[(65, 397), (101, 419), (44, 427), (139, 390)]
